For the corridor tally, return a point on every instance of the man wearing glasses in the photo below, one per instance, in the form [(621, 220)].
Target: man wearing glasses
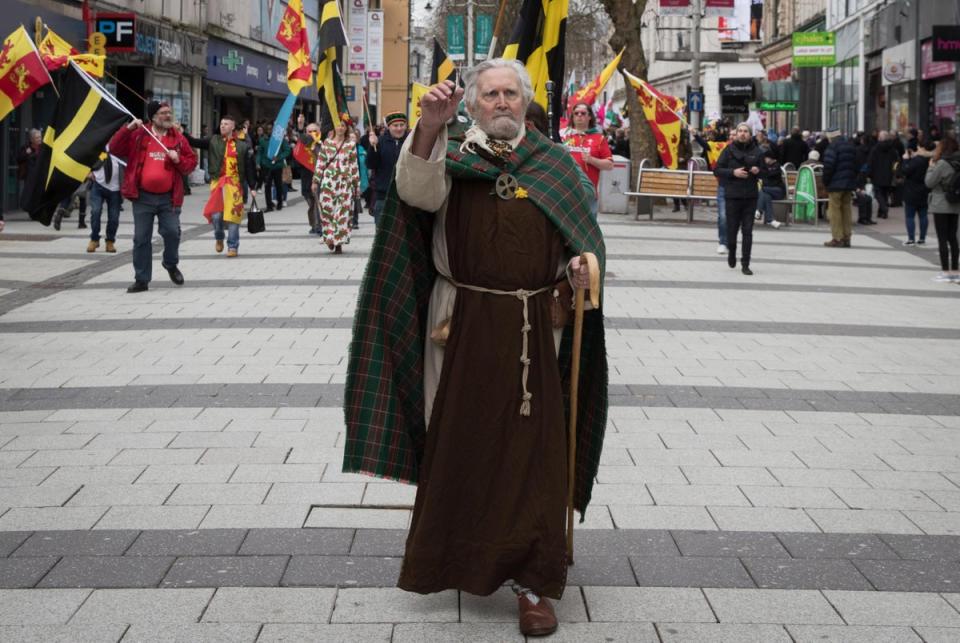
[(589, 147)]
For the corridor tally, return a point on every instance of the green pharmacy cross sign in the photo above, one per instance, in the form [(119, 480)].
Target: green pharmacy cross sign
[(232, 60)]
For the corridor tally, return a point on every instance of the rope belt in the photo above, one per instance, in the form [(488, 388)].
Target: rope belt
[(524, 296)]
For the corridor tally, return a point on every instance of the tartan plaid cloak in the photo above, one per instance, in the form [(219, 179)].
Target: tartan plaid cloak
[(384, 396)]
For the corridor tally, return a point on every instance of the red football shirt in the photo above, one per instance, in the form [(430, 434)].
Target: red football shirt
[(157, 174), (594, 145)]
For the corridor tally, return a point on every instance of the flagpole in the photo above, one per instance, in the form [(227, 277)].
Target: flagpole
[(496, 29), (118, 104)]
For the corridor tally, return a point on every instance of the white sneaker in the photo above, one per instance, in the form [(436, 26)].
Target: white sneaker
[(775, 224), (757, 215), (722, 249), (944, 277)]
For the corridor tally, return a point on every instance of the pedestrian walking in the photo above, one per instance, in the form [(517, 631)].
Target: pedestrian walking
[(305, 155), (364, 180), (738, 168), (232, 168), (916, 195), (507, 209), (105, 188), (794, 149), (589, 147), (271, 169), (941, 179), (155, 162), (840, 179), (336, 180), (883, 157), (382, 157)]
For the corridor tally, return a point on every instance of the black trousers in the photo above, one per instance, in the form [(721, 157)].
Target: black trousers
[(882, 195), (946, 225), (740, 218), (275, 178)]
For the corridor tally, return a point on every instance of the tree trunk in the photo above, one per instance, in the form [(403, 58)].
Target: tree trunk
[(626, 17)]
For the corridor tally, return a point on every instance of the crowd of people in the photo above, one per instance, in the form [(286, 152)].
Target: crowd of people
[(916, 171)]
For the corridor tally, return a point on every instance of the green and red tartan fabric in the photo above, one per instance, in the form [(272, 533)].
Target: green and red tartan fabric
[(384, 397)]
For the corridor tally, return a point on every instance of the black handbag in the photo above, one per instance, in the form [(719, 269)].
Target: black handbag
[(255, 222)]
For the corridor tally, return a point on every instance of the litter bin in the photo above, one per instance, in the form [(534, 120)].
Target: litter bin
[(613, 184)]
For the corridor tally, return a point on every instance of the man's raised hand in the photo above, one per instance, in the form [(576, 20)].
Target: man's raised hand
[(439, 105)]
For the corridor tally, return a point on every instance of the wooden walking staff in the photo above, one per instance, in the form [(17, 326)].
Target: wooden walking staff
[(593, 266)]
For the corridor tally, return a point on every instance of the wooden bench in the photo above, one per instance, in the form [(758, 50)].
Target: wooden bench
[(691, 184)]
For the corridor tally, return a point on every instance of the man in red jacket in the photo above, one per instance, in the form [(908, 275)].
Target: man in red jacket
[(153, 182)]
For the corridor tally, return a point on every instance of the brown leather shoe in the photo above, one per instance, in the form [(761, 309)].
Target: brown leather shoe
[(833, 243), (536, 620)]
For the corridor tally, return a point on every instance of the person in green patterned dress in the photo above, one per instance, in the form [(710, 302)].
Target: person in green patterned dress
[(335, 182)]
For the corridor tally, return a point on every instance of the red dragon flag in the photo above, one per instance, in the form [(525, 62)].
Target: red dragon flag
[(663, 115), (21, 71), (57, 53), (589, 92), (292, 34)]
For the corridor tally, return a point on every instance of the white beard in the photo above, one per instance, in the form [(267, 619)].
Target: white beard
[(503, 128)]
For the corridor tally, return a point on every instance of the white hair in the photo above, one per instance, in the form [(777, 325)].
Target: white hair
[(472, 76)]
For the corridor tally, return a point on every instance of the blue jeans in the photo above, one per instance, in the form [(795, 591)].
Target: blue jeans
[(378, 207), (765, 200), (908, 213), (99, 194), (149, 206), (233, 231), (722, 215)]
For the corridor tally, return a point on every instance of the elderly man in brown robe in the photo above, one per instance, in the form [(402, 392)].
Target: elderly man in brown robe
[(510, 214)]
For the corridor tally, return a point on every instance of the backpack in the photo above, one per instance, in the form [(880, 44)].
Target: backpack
[(951, 188)]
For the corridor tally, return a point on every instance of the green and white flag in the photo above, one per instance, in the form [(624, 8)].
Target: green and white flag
[(805, 210)]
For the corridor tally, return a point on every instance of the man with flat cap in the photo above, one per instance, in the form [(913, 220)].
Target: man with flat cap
[(382, 155), (157, 160)]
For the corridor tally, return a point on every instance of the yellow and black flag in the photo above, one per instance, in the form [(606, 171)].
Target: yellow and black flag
[(330, 38), (442, 67), (538, 42), (85, 119)]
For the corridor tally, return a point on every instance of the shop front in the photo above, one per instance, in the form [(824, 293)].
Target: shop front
[(248, 84), (899, 73), (735, 97), (938, 90), (36, 111), (147, 60)]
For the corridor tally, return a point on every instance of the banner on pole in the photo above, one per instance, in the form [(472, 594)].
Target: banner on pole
[(482, 35), (456, 47), (719, 8), (674, 7), (374, 65), (358, 36)]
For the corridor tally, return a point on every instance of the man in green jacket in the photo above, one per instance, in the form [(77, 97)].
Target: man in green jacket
[(272, 169), (217, 147)]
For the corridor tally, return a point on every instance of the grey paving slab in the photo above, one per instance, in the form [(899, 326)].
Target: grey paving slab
[(863, 521), (938, 634), (392, 605), (721, 633), (924, 547), (302, 542), (96, 475), (193, 632), (190, 542), (893, 608), (29, 518), (226, 571), (251, 516), (625, 542), (107, 571), (271, 605), (762, 519), (700, 571), (186, 473), (911, 575), (379, 542), (620, 604), (39, 606), (479, 632), (106, 632), (133, 517), (119, 495), (852, 634), (10, 540), (341, 571), (600, 570), (34, 496), (501, 606), (836, 546), (772, 606), (729, 544), (323, 633), (23, 572), (774, 573), (219, 494), (154, 607)]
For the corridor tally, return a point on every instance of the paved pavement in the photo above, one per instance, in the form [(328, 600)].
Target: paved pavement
[(782, 461)]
